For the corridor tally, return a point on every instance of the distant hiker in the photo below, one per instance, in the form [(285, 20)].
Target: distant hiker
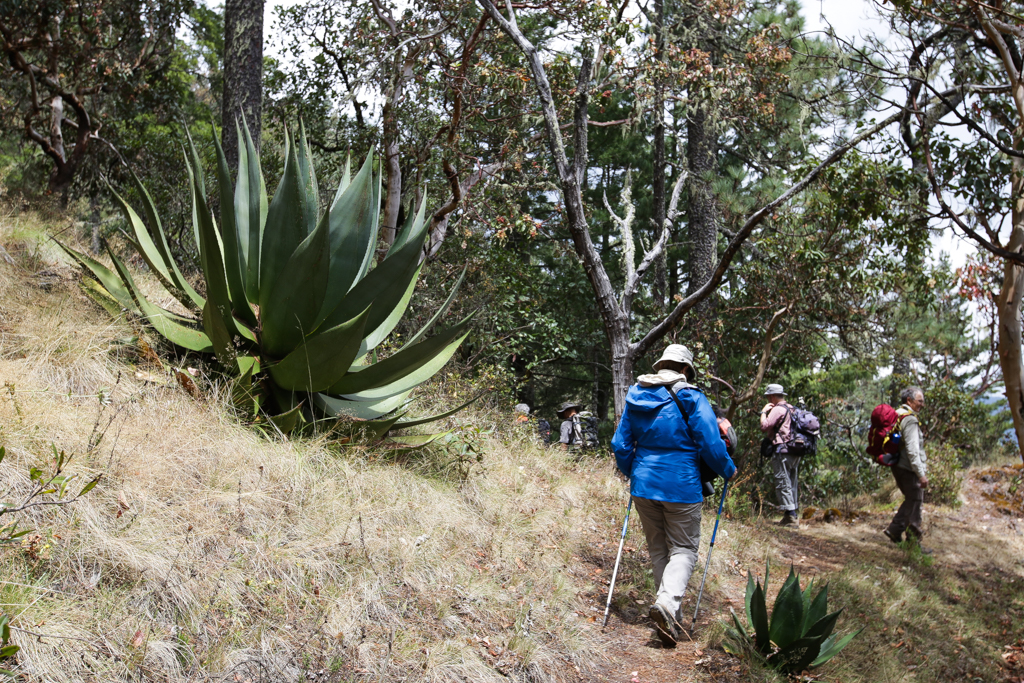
[(910, 470), (660, 445), (572, 429), (522, 412), (777, 423)]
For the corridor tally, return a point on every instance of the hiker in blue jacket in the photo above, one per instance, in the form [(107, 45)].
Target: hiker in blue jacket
[(660, 450)]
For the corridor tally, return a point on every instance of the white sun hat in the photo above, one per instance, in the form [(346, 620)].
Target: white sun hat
[(773, 389), (676, 353)]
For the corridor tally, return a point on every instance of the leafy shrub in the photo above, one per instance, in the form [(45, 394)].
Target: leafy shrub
[(945, 474)]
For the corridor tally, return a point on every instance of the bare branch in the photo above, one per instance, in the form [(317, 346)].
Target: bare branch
[(659, 330)]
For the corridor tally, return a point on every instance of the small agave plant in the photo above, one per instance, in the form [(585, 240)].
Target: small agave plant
[(296, 304), (799, 634)]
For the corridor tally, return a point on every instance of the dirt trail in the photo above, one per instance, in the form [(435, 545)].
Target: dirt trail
[(984, 536)]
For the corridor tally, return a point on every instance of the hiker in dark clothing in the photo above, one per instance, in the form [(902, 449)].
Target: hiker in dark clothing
[(910, 470), (572, 430)]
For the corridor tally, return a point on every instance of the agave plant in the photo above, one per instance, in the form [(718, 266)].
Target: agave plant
[(799, 634), (296, 303)]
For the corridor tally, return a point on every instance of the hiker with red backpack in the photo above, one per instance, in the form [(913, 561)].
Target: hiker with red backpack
[(910, 469), (777, 422)]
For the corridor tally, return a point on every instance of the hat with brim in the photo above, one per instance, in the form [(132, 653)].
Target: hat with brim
[(774, 390), (675, 353), (568, 404)]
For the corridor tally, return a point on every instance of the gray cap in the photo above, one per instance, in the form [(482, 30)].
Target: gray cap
[(522, 408), (676, 353), (569, 404), (774, 389)]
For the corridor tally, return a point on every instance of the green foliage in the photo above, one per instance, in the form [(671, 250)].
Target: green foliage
[(293, 307), (7, 651), (945, 475), (797, 636)]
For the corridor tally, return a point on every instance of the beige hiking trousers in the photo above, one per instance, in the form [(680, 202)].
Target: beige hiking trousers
[(673, 536)]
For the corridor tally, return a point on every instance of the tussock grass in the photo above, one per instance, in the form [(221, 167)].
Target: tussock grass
[(212, 548)]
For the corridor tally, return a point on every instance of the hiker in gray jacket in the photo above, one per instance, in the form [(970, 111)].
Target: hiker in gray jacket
[(911, 470)]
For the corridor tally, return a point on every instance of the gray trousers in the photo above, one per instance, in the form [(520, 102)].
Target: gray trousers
[(673, 536), (908, 517), (785, 468)]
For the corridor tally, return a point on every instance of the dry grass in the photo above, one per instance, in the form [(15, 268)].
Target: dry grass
[(213, 551), (211, 547)]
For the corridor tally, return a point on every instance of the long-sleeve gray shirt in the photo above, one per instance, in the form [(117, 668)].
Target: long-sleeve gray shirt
[(912, 456)]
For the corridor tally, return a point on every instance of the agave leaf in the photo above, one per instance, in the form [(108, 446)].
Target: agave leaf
[(233, 264), (375, 429), (406, 382), (111, 282), (788, 613), (831, 647), (740, 632), (441, 311), (413, 441), (796, 656), (359, 410), (218, 320), (384, 287), (322, 359), (172, 330), (408, 361), (250, 210), (759, 620), (749, 596), (405, 424), (289, 307), (381, 332), (353, 218), (242, 395), (806, 596), (817, 609), (219, 334), (822, 628), (412, 228), (143, 242), (308, 175), (285, 229), (288, 420), (182, 290), (346, 178), (97, 293)]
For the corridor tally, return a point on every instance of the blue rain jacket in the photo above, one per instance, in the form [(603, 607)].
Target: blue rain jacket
[(660, 452)]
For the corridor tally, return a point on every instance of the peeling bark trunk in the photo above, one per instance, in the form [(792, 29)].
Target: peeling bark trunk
[(1008, 305), (243, 74)]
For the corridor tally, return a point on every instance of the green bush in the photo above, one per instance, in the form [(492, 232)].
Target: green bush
[(945, 474)]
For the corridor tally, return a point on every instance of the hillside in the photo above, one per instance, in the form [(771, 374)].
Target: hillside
[(213, 551)]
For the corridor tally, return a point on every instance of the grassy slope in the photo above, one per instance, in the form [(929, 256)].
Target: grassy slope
[(210, 548)]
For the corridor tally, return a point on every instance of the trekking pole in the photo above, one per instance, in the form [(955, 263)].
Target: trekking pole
[(615, 572), (721, 504)]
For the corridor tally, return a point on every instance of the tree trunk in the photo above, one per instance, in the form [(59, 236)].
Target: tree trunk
[(243, 74), (1008, 305), (658, 179), (703, 229)]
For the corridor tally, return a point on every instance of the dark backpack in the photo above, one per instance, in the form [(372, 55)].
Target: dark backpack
[(707, 475), (884, 437), (804, 431)]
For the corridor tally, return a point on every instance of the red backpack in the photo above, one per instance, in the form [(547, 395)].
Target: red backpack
[(884, 436)]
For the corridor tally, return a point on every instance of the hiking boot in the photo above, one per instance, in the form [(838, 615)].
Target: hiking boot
[(894, 537), (789, 518), (664, 625)]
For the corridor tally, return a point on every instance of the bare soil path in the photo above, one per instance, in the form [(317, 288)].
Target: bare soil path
[(977, 563)]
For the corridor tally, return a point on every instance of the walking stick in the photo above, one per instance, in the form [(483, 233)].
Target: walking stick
[(725, 487), (615, 572)]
